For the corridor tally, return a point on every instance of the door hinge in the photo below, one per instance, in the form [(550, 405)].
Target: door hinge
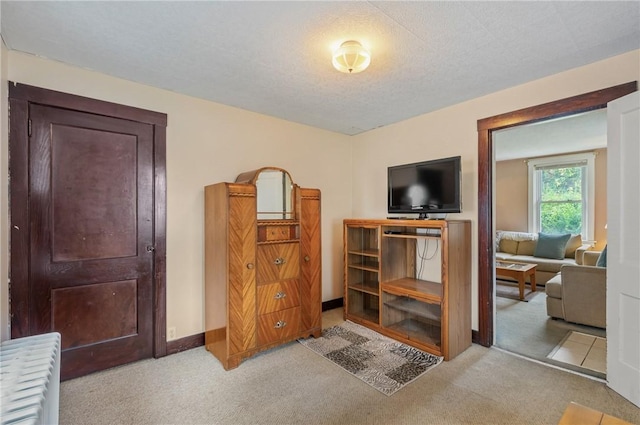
[(29, 127)]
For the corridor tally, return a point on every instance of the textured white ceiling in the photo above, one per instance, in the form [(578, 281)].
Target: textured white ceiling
[(275, 57), (575, 133)]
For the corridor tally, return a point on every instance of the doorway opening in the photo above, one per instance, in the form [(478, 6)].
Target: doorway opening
[(486, 165), (550, 177)]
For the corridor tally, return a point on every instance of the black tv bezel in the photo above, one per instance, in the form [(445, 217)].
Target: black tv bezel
[(446, 209)]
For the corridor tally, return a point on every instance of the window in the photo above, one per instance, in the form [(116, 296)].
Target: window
[(561, 194)]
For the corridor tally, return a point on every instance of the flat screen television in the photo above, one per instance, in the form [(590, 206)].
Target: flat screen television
[(428, 187)]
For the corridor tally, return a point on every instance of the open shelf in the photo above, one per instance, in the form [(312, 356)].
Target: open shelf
[(370, 315), (362, 240), (420, 332), (415, 307), (368, 286), (423, 289), (366, 252), (369, 266), (410, 236), (363, 305), (414, 232), (362, 262)]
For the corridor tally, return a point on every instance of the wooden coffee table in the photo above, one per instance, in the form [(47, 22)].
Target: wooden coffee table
[(518, 271)]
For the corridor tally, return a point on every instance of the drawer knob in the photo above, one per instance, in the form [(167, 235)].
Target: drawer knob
[(279, 261), (307, 258), (280, 324), (280, 295), (250, 266)]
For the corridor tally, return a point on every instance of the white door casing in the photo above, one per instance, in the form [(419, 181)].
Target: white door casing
[(623, 246)]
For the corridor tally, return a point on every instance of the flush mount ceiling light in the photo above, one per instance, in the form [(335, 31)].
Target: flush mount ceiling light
[(351, 57)]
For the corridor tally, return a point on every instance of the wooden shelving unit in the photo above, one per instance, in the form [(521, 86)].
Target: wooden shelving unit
[(362, 271), (384, 291)]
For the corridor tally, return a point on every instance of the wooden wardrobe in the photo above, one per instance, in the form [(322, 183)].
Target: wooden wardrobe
[(262, 264)]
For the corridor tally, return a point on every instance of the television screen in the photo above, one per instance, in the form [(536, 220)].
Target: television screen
[(425, 187)]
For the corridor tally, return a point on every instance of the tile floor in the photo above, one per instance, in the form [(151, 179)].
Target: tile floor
[(582, 350)]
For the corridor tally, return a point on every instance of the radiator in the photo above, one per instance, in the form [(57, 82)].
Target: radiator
[(30, 380)]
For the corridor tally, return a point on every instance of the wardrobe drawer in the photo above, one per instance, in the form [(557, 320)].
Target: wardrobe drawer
[(277, 233), (280, 325), (278, 296), (277, 262)]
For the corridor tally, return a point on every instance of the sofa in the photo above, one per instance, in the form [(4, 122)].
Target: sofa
[(578, 293), (521, 247)]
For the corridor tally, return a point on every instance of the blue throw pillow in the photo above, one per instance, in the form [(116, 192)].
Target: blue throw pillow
[(602, 258), (551, 246)]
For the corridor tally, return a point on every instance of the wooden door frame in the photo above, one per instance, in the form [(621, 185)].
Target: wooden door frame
[(564, 107), (20, 96)]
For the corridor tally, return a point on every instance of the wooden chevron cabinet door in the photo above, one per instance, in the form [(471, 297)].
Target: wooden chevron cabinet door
[(230, 271), (262, 264), (311, 261)]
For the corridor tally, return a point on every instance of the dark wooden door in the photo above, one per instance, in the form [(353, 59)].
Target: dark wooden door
[(88, 245), (91, 231)]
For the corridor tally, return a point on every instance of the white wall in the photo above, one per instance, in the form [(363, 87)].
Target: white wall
[(208, 143), (453, 131)]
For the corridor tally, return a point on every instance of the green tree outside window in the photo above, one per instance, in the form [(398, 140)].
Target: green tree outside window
[(561, 200)]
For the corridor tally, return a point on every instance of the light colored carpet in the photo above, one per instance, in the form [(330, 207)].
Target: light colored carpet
[(384, 363), (524, 328), (292, 385)]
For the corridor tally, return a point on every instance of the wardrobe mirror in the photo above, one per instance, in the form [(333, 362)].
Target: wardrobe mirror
[(274, 195)]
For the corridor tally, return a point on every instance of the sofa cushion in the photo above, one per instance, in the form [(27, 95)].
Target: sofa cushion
[(574, 243), (542, 264), (602, 258), (590, 258), (508, 246), (505, 240), (553, 288), (503, 256), (551, 246), (516, 236), (526, 247)]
